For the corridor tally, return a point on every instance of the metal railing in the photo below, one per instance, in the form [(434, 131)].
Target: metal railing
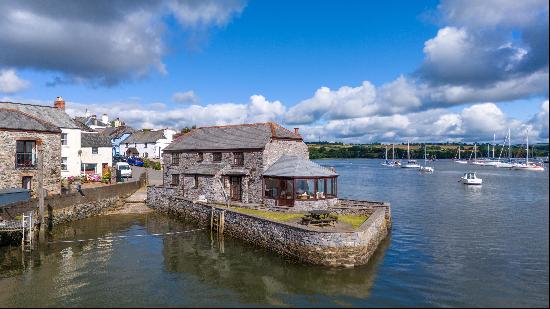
[(25, 160)]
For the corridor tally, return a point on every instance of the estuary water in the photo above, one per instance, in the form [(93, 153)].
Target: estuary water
[(450, 245)]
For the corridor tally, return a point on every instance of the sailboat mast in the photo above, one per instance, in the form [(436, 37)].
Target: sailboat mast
[(393, 151), (386, 153), (425, 157), (458, 152), (494, 143), (475, 152), (408, 151), (527, 154), (509, 145)]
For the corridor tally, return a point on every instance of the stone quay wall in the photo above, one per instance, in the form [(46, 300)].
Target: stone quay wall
[(60, 208), (334, 249)]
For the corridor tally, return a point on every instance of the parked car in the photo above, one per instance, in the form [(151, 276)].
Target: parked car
[(124, 169), (135, 161)]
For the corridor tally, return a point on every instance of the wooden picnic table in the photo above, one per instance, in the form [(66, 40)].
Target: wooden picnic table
[(319, 217)]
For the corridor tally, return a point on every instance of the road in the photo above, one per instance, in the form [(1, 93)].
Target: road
[(154, 176)]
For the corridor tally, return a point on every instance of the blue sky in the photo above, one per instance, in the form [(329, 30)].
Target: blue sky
[(404, 65)]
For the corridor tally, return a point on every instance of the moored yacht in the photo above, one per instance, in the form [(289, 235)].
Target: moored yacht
[(410, 163), (460, 161), (426, 168), (529, 166)]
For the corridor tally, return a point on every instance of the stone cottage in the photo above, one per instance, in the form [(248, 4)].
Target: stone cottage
[(261, 163), (24, 139), (70, 131)]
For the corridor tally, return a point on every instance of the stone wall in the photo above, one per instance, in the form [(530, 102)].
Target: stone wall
[(11, 176), (292, 240), (61, 208), (277, 148)]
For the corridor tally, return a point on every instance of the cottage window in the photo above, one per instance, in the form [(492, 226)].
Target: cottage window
[(305, 189), (25, 155), (196, 184), (331, 187), (238, 158), (63, 163), (175, 159), (145, 145), (175, 180), (94, 150), (217, 157), (26, 182), (200, 157), (63, 139)]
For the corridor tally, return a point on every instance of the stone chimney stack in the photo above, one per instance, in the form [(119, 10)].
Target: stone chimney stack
[(105, 119), (59, 103), (297, 131)]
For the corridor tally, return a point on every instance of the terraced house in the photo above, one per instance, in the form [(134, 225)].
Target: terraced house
[(25, 140), (262, 163)]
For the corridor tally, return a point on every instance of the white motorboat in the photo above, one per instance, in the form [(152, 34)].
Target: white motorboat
[(410, 163), (470, 178)]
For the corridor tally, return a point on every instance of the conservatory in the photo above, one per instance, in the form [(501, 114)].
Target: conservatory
[(293, 180)]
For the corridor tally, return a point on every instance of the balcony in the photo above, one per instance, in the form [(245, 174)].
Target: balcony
[(25, 160)]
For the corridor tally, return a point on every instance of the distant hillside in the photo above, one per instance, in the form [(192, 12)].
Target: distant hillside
[(440, 151)]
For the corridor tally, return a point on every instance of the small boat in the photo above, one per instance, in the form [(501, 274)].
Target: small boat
[(460, 161), (410, 163), (426, 168), (470, 178), (387, 163), (529, 166)]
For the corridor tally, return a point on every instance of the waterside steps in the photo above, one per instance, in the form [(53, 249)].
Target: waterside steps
[(217, 220)]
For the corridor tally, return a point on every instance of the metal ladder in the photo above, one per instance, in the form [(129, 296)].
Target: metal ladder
[(27, 225)]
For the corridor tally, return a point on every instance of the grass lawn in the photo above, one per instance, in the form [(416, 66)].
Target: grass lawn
[(354, 220)]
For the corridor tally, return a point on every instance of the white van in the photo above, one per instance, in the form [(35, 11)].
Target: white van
[(124, 168)]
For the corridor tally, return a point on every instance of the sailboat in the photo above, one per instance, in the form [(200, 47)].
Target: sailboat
[(491, 161), (386, 162), (426, 168), (476, 161), (410, 163), (509, 163), (459, 160), (529, 166), (394, 162)]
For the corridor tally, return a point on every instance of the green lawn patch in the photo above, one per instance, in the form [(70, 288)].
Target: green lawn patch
[(272, 215), (354, 220)]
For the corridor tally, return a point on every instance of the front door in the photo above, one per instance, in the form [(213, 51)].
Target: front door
[(235, 188)]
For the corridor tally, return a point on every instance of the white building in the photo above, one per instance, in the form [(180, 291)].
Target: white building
[(93, 122), (96, 153), (70, 131), (147, 143)]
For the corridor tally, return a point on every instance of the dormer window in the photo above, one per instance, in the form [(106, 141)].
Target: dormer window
[(201, 157), (216, 157)]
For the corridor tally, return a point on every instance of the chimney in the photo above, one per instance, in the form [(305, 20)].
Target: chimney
[(296, 131), (87, 114), (105, 119), (59, 103)]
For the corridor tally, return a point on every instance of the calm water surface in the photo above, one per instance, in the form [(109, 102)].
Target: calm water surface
[(451, 245)]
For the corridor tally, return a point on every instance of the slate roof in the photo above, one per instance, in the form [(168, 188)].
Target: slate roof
[(115, 132), (49, 114), (142, 137), (245, 136), (293, 166), (16, 120), (94, 140), (204, 169), (91, 121)]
